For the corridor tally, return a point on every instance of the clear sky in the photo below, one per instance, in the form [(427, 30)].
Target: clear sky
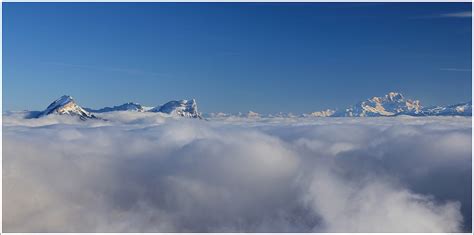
[(265, 57)]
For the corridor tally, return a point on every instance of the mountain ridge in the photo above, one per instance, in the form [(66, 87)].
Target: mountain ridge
[(130, 106), (394, 104), (391, 104), (66, 105)]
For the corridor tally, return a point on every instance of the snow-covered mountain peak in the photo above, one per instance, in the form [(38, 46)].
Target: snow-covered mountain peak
[(391, 104), (66, 105), (182, 108), (63, 104), (390, 97), (61, 101)]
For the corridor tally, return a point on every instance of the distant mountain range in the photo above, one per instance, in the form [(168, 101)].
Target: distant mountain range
[(392, 104), (66, 105)]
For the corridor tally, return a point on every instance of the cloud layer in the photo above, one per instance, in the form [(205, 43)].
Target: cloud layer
[(150, 173)]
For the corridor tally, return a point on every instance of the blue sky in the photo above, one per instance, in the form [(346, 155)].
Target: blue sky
[(265, 57)]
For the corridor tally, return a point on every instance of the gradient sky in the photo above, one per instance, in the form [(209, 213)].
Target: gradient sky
[(265, 57)]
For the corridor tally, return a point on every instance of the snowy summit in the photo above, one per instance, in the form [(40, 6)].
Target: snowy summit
[(66, 105), (391, 104), (182, 108)]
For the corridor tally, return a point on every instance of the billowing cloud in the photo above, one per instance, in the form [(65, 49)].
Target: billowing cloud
[(142, 172)]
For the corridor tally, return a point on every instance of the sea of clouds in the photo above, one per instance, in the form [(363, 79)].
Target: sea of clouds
[(146, 172)]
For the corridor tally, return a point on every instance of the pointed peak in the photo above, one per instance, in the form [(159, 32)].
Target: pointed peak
[(64, 99), (61, 101), (66, 105)]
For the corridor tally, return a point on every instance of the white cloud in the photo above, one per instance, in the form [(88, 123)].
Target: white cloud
[(142, 172)]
